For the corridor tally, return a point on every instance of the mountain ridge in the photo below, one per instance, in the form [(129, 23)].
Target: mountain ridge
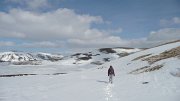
[(103, 54)]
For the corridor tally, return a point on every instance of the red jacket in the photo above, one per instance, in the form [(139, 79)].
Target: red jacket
[(111, 71)]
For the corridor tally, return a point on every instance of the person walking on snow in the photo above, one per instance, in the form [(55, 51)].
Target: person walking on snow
[(111, 74)]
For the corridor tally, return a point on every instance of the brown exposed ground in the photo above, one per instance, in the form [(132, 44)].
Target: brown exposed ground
[(97, 63), (87, 56), (175, 52), (146, 69), (122, 54), (140, 57), (167, 43), (137, 71), (107, 50)]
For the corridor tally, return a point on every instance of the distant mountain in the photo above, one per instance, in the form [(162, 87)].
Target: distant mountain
[(95, 57), (23, 58), (49, 56), (16, 56)]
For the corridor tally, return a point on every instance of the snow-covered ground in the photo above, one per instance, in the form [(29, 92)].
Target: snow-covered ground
[(83, 57), (91, 84)]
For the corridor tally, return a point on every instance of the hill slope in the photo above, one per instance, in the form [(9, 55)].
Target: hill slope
[(148, 75), (97, 57)]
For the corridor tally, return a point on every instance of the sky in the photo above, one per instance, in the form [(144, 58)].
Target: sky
[(63, 25)]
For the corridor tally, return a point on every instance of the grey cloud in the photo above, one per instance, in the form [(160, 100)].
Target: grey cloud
[(170, 22), (43, 44), (166, 34), (6, 43)]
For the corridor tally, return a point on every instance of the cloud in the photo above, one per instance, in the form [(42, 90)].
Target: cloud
[(153, 39), (113, 31), (166, 34), (66, 28), (109, 41), (156, 38), (47, 28), (6, 43), (36, 4), (58, 24), (43, 44), (170, 22), (176, 20)]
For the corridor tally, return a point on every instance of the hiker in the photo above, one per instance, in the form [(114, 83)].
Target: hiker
[(111, 74)]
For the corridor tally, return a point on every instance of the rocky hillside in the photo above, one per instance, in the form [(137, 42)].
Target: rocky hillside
[(99, 56), (163, 57), (95, 57)]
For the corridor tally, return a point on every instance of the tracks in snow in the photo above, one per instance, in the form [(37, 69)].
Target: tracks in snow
[(109, 94)]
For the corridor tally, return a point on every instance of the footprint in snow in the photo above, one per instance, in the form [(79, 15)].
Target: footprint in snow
[(110, 96), (175, 73)]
